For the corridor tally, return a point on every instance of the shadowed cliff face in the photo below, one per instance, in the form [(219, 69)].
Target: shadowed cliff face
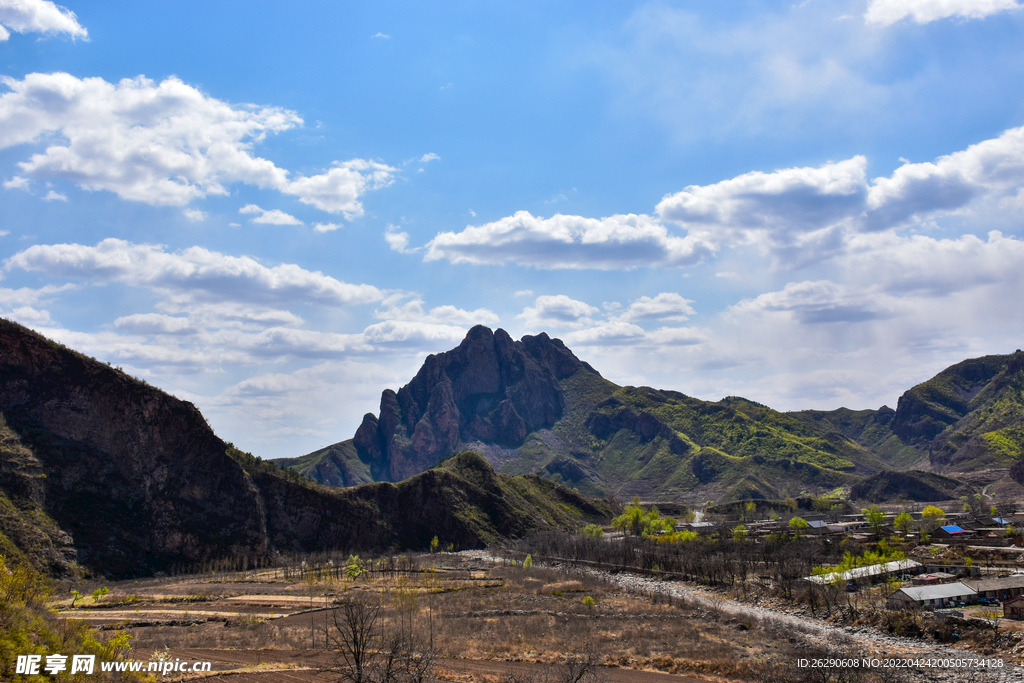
[(490, 389), (135, 476)]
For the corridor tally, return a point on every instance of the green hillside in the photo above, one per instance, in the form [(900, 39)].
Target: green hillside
[(606, 440)]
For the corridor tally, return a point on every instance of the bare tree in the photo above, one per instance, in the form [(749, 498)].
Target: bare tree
[(579, 668), (367, 654), (356, 636)]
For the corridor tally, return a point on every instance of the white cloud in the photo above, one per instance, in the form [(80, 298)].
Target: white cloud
[(816, 302), (796, 198), (570, 242), (338, 190), (22, 304), (38, 16), (195, 273), (524, 292), (667, 306), (325, 227), (16, 183), (378, 34), (154, 323), (617, 334), (801, 215), (397, 240), (428, 157), (606, 334), (163, 144), (412, 311), (29, 316), (269, 216), (886, 12), (54, 196), (918, 264), (194, 215), (558, 311), (989, 171)]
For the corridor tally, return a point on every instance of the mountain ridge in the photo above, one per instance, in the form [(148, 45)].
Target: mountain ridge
[(101, 472), (610, 440)]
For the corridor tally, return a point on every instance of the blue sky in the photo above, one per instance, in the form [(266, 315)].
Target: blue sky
[(276, 212)]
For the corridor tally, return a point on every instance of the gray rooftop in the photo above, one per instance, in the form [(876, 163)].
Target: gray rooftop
[(1006, 583), (941, 591)]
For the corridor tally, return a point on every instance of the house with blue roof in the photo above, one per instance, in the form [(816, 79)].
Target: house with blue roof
[(951, 531)]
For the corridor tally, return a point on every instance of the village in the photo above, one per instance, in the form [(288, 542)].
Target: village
[(954, 563)]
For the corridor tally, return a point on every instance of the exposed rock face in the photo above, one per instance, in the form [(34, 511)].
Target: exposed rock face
[(490, 388)]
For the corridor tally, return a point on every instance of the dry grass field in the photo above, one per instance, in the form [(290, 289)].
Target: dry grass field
[(480, 617)]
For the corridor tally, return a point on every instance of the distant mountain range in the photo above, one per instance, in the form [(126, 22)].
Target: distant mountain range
[(531, 406), (103, 473)]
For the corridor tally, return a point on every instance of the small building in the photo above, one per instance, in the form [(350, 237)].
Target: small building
[(942, 595), (933, 578), (869, 574), (999, 589), (950, 531), (1014, 608)]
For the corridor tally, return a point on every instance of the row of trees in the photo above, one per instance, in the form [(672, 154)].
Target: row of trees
[(716, 561)]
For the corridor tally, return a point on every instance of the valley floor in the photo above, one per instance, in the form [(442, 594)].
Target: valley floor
[(490, 622)]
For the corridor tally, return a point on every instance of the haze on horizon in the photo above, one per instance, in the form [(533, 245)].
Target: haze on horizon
[(277, 212)]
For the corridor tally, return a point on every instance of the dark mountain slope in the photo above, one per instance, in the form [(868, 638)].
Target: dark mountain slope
[(99, 467), (910, 485), (133, 475)]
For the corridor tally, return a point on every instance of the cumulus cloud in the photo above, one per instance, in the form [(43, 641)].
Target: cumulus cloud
[(428, 157), (923, 265), (617, 334), (570, 242), (325, 227), (805, 214), (38, 16), (989, 170), (397, 240), (886, 12), (338, 190), (16, 183), (798, 215), (558, 311), (22, 304), (154, 323), (667, 306), (412, 311), (194, 215), (195, 273), (796, 198), (269, 216), (816, 302), (54, 196), (163, 144)]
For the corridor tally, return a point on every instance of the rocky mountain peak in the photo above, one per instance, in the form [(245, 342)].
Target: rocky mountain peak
[(489, 388)]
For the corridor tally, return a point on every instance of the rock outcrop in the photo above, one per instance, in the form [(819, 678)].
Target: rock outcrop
[(490, 389)]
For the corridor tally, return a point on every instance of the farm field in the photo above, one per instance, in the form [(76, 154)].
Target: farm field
[(487, 621)]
